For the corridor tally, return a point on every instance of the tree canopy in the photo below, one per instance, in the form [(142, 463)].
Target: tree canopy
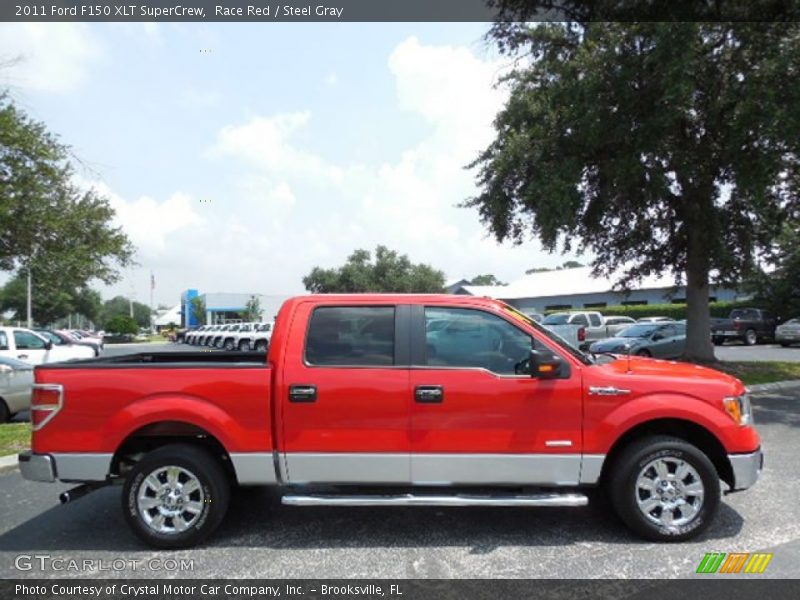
[(121, 306), (656, 147), (48, 224), (778, 289), (252, 310), (487, 279), (388, 272)]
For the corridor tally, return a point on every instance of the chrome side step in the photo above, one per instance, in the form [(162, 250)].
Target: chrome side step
[(437, 500)]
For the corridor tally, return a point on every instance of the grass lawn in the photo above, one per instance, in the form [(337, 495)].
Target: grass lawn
[(14, 437), (752, 373)]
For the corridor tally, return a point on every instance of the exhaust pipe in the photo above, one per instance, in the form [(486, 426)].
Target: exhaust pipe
[(78, 492)]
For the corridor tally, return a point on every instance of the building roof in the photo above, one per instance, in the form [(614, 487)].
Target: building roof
[(173, 315), (566, 282)]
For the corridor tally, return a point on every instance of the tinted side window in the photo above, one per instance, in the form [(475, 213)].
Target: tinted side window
[(458, 337), (579, 320), (351, 336), (595, 320), (25, 340)]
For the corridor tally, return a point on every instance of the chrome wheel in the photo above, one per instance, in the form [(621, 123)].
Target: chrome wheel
[(669, 492), (170, 499)]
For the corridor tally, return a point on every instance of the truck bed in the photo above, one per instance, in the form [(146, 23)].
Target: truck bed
[(167, 359)]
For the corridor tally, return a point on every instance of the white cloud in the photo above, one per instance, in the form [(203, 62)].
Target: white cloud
[(266, 143), (148, 222), (53, 57)]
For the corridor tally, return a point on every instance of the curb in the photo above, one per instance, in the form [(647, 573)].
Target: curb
[(792, 384), (8, 463)]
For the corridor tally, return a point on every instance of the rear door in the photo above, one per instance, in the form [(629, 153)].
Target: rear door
[(344, 393), (478, 416)]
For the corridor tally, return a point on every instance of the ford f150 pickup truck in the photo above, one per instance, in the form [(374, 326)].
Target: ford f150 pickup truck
[(404, 400)]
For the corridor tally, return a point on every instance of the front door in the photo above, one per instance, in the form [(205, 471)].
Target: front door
[(344, 396), (478, 417)]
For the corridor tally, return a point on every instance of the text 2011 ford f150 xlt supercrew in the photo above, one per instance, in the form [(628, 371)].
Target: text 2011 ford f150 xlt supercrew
[(395, 400)]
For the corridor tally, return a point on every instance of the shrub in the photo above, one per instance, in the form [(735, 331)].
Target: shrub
[(675, 311)]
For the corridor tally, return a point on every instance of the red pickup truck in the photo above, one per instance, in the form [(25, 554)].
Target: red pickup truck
[(395, 400)]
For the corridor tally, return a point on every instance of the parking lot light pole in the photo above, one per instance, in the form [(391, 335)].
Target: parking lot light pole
[(28, 301)]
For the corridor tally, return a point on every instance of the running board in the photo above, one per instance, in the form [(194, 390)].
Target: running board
[(440, 500)]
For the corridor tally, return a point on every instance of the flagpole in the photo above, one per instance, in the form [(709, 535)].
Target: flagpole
[(152, 287)]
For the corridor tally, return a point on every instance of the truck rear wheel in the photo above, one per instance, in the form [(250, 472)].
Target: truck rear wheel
[(175, 496), (750, 337), (664, 489)]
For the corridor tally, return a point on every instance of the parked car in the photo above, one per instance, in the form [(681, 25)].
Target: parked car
[(204, 337), (585, 326), (788, 333), (659, 340), (654, 319), (69, 337), (218, 341), (16, 381), (238, 338), (193, 333), (77, 335), (357, 403), (28, 346), (61, 339), (261, 336), (750, 325)]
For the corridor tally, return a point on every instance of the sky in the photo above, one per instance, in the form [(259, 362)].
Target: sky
[(240, 156)]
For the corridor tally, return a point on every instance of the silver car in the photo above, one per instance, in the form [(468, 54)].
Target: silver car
[(788, 333), (16, 383), (659, 340)]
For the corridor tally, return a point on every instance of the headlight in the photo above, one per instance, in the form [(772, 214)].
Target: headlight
[(738, 407)]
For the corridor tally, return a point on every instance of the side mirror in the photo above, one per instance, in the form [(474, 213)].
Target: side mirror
[(545, 365), (48, 345), (657, 337)]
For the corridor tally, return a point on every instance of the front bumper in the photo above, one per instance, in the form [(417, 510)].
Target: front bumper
[(746, 469), (37, 467)]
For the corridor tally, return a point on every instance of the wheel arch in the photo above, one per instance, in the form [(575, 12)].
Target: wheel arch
[(162, 433), (690, 432)]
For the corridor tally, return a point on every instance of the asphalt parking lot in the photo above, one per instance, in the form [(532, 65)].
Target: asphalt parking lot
[(262, 538), (760, 352)]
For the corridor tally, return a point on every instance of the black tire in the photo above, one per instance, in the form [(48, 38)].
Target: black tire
[(262, 346), (624, 493), (718, 341), (229, 344), (5, 414), (750, 337), (645, 353), (214, 486), (244, 346)]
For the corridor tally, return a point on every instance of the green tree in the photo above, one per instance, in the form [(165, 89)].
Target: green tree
[(389, 272), (486, 279), (659, 147), (253, 311), (121, 325), (570, 264), (198, 310), (778, 288), (121, 306), (46, 222)]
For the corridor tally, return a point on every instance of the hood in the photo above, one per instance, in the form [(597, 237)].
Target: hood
[(649, 375)]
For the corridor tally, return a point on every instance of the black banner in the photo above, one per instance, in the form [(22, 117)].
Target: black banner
[(401, 589), (399, 10)]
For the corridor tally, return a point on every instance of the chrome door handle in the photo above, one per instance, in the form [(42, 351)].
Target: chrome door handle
[(429, 394)]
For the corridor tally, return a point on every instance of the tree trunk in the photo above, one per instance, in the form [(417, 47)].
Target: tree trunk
[(698, 319)]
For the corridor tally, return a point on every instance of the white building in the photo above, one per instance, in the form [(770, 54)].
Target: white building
[(577, 289)]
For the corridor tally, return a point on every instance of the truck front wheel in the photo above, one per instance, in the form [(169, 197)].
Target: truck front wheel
[(175, 496), (664, 489)]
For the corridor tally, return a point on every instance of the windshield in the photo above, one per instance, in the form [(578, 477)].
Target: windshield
[(51, 336), (513, 312), (557, 319), (637, 331)]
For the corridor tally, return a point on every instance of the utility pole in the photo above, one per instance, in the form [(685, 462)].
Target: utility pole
[(152, 287), (30, 287)]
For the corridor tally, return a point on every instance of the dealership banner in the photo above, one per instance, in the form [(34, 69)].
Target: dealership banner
[(397, 10), (399, 589)]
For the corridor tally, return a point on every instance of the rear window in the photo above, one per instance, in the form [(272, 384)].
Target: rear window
[(351, 336), (560, 319)]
